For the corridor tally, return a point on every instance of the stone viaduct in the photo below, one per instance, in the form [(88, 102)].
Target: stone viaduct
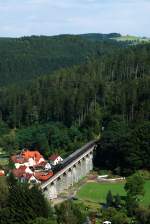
[(73, 168)]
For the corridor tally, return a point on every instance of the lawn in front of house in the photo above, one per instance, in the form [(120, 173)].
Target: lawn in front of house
[(96, 192)]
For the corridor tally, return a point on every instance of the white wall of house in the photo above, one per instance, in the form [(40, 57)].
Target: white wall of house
[(57, 160), (33, 180), (28, 170), (47, 166), (41, 160)]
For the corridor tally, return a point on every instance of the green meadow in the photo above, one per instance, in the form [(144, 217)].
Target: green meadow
[(96, 192), (132, 38)]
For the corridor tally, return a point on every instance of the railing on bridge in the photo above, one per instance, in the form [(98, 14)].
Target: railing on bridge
[(69, 161)]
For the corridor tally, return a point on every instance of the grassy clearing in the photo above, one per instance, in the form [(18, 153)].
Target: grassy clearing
[(4, 161), (4, 157), (132, 38), (96, 192), (146, 199)]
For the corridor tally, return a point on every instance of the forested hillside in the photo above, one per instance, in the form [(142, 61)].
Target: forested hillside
[(22, 59), (61, 110), (119, 83)]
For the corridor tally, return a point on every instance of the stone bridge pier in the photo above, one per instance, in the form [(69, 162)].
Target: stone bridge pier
[(74, 171)]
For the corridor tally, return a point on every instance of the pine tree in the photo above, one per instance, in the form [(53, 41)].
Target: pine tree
[(117, 201), (109, 199)]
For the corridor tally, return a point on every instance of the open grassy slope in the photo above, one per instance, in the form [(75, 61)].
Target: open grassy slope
[(96, 192), (132, 38)]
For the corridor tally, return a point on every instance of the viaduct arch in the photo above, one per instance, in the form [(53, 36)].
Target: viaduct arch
[(74, 167)]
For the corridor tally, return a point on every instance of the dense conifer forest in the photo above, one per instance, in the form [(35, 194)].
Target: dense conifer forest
[(22, 59), (105, 86)]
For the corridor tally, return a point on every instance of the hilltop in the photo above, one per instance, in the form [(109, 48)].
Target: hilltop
[(23, 59), (132, 39)]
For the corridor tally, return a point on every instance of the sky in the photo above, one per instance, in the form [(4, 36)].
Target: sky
[(52, 17)]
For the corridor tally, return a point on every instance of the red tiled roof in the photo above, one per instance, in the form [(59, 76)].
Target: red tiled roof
[(43, 176), (19, 172), (2, 173), (27, 175), (22, 168), (18, 159), (43, 163), (31, 154), (25, 156), (53, 157)]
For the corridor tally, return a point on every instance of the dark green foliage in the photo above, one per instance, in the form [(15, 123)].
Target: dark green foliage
[(131, 205), (50, 137), (42, 221), (115, 216), (22, 59), (69, 94), (11, 181), (135, 189), (3, 192), (120, 218), (99, 36), (142, 215), (109, 199), (3, 128), (135, 185), (110, 91), (117, 201), (69, 212), (24, 204), (124, 148), (61, 111)]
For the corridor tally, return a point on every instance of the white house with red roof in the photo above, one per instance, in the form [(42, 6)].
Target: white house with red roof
[(2, 173), (31, 166), (55, 159)]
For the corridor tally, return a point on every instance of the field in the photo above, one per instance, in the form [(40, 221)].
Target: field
[(96, 192), (132, 38), (3, 158)]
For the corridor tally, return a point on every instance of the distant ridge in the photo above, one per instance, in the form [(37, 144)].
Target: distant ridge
[(100, 36)]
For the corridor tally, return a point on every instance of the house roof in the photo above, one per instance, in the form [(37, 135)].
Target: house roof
[(27, 175), (2, 173), (22, 168), (43, 163), (19, 172), (27, 155), (18, 159), (31, 154), (43, 176), (53, 157)]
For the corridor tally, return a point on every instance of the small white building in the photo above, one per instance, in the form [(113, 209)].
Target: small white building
[(28, 170), (30, 163), (2, 173), (47, 166), (55, 159), (41, 160), (107, 222), (32, 179)]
